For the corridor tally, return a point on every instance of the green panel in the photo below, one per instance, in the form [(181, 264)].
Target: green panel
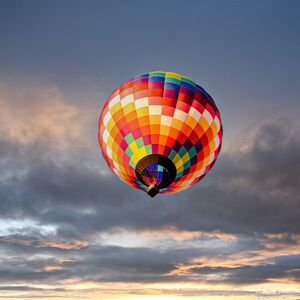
[(187, 165), (182, 151), (157, 73), (179, 174), (172, 154), (148, 149), (129, 138), (128, 152), (132, 164), (192, 152), (172, 80), (140, 142)]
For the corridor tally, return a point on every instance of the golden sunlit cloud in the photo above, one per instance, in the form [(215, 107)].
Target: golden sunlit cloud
[(43, 243), (180, 235), (42, 114)]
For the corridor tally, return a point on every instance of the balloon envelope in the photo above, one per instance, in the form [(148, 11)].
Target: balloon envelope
[(160, 132)]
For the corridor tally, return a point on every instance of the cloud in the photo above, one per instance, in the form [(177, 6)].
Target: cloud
[(245, 192), (37, 115), (69, 220), (56, 244)]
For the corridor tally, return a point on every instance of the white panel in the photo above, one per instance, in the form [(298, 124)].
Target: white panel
[(166, 120), (217, 141), (106, 118), (155, 109), (216, 119), (117, 167), (109, 152), (141, 103), (211, 158), (188, 182), (195, 114), (207, 116), (116, 171), (129, 98), (199, 173), (180, 115), (114, 101), (105, 136)]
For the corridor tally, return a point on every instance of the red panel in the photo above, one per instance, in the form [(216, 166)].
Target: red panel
[(168, 111)]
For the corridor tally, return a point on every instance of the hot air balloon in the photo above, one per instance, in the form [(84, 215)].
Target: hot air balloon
[(160, 132)]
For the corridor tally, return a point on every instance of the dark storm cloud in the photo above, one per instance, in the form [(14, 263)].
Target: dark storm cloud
[(256, 274), (98, 263), (252, 191), (256, 190)]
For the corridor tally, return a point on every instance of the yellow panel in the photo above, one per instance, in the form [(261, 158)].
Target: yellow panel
[(119, 115), (164, 130), (176, 124), (128, 108), (154, 119), (176, 158), (110, 142), (142, 152), (111, 123), (205, 161), (173, 75), (190, 121), (114, 156), (141, 112), (214, 128), (115, 108), (133, 146), (204, 124), (212, 146), (179, 169), (185, 157), (135, 158)]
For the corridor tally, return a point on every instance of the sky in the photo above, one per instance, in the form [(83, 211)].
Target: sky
[(70, 229)]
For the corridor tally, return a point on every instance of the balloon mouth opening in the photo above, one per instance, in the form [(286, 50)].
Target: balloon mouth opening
[(156, 172)]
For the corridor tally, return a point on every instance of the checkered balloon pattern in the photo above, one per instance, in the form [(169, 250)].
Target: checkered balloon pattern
[(164, 114)]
